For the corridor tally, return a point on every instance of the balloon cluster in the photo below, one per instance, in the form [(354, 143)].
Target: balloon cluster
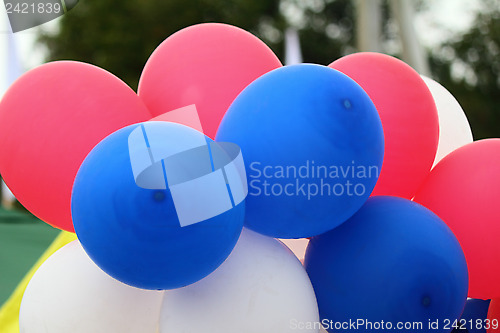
[(176, 231)]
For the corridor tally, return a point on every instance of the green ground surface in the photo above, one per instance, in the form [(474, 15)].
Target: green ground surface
[(23, 239)]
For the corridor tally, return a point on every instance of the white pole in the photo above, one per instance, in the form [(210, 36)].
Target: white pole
[(11, 69), (369, 25), (3, 74), (413, 53), (293, 54)]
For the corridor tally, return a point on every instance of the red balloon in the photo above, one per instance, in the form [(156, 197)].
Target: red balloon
[(50, 119), (493, 322), (464, 190), (409, 118), (207, 65)]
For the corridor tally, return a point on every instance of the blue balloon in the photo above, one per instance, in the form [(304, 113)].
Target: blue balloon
[(474, 317), (313, 147), (393, 262), (152, 205)]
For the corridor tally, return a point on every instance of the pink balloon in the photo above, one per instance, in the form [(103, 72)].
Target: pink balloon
[(463, 189), (409, 118), (50, 119), (207, 65)]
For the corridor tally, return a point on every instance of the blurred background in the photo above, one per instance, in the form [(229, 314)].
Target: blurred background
[(456, 42)]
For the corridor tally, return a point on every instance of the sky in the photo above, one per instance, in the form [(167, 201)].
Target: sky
[(437, 23)]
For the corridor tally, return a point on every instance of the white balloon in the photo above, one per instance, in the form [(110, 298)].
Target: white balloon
[(69, 293), (261, 287), (454, 128)]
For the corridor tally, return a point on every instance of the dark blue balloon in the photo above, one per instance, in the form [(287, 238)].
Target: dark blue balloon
[(474, 317), (133, 233), (313, 146), (393, 261)]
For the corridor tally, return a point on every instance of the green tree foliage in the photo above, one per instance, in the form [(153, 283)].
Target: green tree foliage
[(120, 35), (469, 66), (326, 28)]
